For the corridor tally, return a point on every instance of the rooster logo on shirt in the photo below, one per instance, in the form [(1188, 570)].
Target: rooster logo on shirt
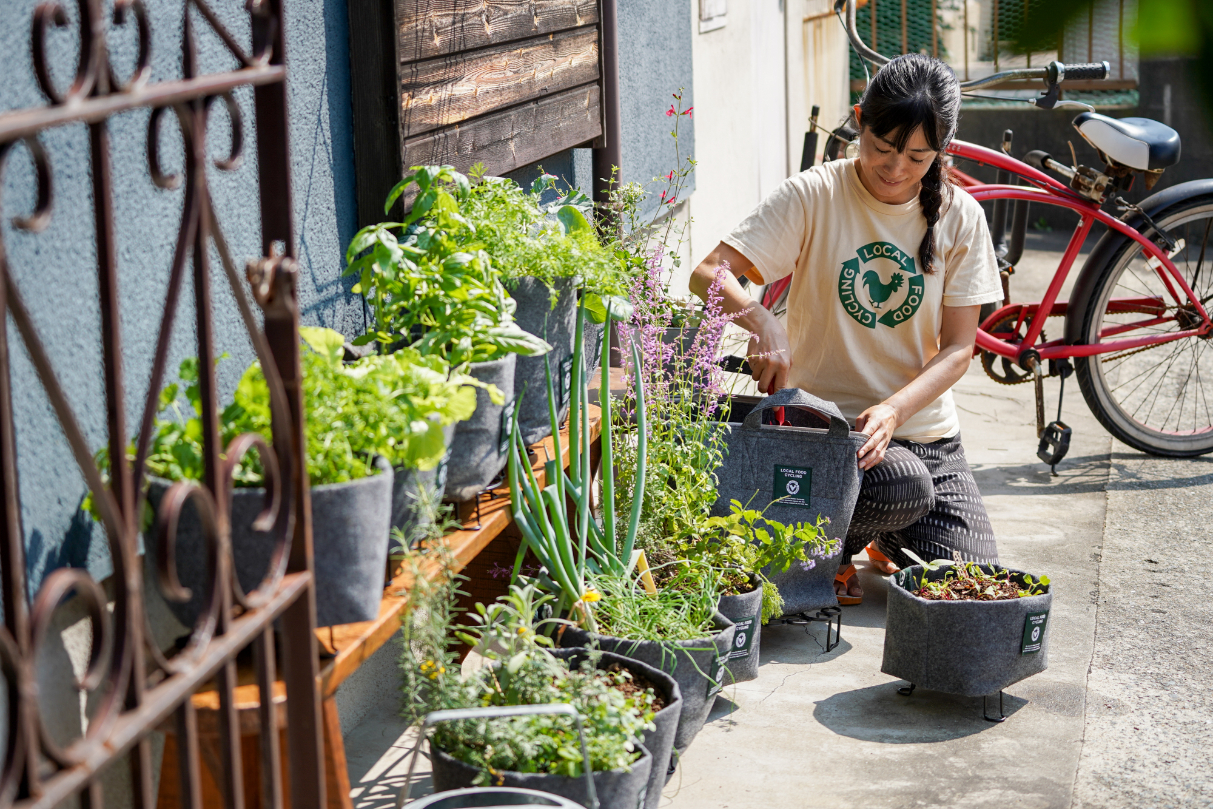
[(879, 291), (891, 302)]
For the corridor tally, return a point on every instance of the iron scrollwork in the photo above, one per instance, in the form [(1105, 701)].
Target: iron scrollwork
[(139, 685)]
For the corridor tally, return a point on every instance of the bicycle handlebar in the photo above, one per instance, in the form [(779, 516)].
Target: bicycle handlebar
[(1052, 74)]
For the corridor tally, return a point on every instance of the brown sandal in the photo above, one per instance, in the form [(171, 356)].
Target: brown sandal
[(845, 576)]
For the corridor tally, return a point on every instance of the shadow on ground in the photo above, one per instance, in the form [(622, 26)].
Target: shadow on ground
[(879, 714)]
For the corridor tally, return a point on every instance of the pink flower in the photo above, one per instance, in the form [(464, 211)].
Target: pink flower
[(670, 176), (671, 111), (688, 111)]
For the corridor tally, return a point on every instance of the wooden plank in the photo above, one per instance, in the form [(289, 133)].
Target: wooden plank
[(431, 28), (449, 90), (514, 137)]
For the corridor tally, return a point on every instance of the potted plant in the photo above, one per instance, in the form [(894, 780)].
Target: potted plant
[(748, 549), (434, 401), (539, 752), (965, 628), (428, 290), (589, 565), (356, 430), (546, 253)]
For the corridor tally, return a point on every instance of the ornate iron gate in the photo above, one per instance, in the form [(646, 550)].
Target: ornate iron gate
[(140, 686)]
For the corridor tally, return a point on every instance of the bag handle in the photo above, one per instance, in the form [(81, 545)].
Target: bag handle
[(795, 397)]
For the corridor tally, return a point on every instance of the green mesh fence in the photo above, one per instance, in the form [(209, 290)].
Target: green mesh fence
[(889, 39)]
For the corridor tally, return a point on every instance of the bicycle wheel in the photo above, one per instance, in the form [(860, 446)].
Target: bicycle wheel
[(1156, 399)]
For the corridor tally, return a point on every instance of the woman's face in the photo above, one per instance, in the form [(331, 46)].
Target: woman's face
[(892, 177)]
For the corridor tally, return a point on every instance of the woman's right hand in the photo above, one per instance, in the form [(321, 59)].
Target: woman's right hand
[(768, 352)]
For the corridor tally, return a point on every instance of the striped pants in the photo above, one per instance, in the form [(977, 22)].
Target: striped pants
[(921, 496)]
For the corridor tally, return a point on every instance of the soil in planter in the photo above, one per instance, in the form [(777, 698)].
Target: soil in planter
[(736, 583), (971, 583), (635, 685)]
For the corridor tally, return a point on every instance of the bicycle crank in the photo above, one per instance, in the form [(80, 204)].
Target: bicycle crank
[(1007, 330)]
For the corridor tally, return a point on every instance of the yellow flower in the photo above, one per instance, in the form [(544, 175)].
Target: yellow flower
[(522, 630), (591, 596)]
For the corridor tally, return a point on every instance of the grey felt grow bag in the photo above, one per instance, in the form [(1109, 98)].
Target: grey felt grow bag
[(813, 468), (973, 648), (696, 665), (415, 495), (659, 741), (616, 789), (350, 524), (745, 611), (478, 451), (557, 326)]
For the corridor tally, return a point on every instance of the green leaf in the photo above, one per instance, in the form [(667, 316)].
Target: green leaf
[(572, 220), (327, 343), (511, 339)]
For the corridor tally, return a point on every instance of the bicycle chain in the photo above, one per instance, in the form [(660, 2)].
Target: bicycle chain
[(1027, 377)]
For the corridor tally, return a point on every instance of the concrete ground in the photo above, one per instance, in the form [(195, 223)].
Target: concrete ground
[(1123, 717)]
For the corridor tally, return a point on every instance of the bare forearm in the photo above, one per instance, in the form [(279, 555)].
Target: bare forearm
[(735, 299), (936, 377), (768, 347)]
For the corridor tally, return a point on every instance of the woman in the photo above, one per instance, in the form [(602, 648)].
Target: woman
[(890, 265)]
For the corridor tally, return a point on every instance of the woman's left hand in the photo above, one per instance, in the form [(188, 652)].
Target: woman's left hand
[(878, 423)]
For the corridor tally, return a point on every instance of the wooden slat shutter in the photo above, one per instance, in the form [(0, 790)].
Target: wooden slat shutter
[(501, 82)]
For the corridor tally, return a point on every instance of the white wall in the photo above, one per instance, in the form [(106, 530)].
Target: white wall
[(756, 78)]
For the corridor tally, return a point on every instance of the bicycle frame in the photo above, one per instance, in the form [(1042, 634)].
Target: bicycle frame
[(1045, 189)]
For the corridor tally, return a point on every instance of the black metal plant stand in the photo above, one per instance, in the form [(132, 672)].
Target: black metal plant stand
[(830, 616), (907, 690)]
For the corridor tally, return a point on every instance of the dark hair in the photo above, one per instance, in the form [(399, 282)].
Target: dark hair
[(909, 92)]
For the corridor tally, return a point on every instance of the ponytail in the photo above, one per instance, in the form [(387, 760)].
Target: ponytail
[(931, 198)]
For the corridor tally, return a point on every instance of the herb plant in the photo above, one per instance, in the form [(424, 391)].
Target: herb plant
[(526, 239), (681, 609), (746, 542), (519, 671), (428, 285), (684, 388)]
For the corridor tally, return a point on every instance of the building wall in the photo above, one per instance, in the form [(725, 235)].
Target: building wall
[(744, 110), (56, 269)]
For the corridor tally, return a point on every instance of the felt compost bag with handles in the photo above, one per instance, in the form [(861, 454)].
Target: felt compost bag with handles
[(813, 469)]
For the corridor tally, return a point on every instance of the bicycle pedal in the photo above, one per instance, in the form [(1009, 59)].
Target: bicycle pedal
[(1055, 443)]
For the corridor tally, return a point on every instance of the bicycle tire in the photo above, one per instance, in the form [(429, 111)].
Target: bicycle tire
[(1177, 374)]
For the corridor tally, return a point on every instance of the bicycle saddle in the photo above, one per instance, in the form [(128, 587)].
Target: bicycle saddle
[(1138, 143)]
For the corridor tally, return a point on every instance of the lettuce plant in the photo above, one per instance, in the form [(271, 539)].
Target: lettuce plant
[(394, 406)]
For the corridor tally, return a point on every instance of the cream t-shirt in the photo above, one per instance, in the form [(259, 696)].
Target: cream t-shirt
[(863, 319)]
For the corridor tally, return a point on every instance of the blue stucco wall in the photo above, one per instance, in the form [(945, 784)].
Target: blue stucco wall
[(654, 63), (56, 269)]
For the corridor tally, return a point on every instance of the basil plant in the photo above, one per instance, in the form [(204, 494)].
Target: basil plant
[(427, 284)]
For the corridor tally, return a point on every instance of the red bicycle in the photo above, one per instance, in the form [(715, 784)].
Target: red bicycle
[(1136, 328)]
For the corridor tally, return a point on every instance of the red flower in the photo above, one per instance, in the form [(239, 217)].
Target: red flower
[(670, 176), (671, 200), (670, 111), (688, 112), (663, 193)]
